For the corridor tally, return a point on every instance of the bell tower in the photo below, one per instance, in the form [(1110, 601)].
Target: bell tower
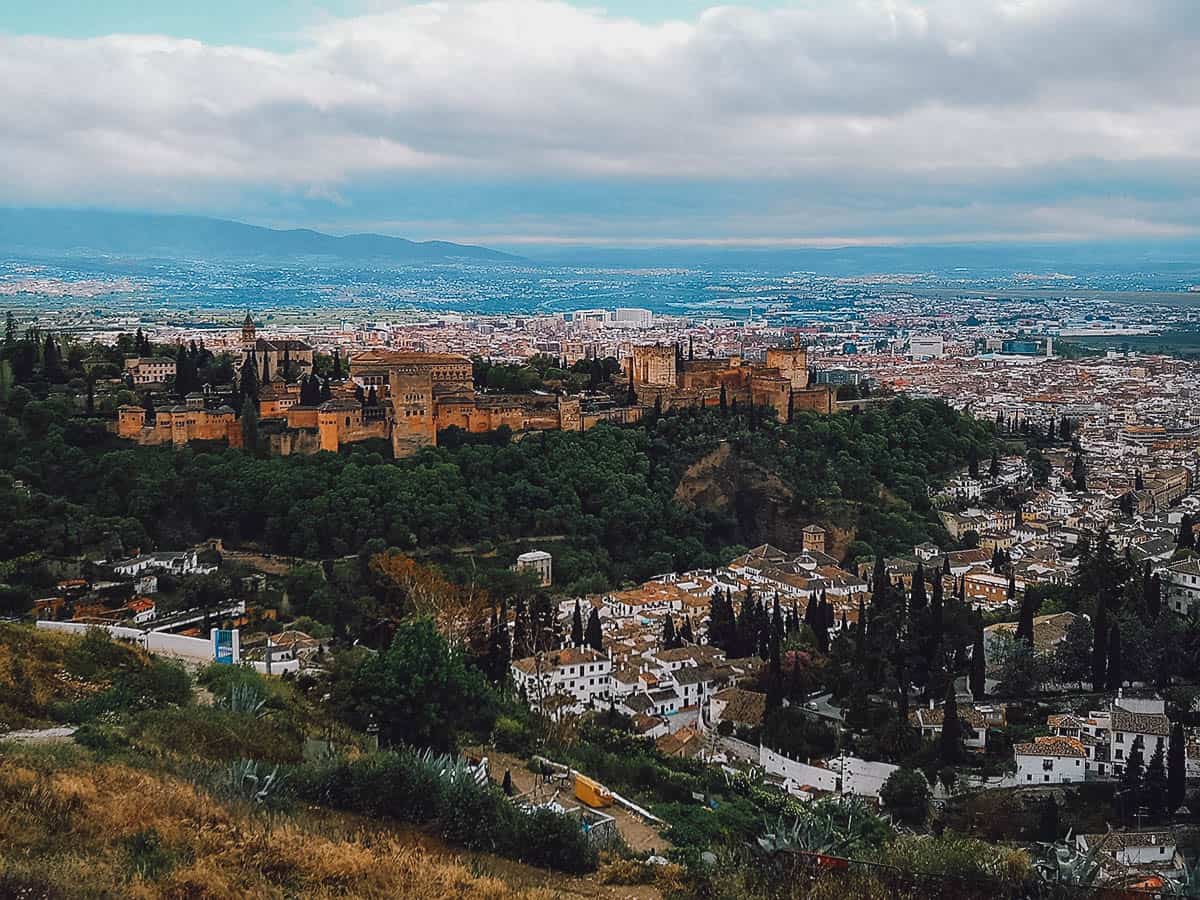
[(248, 332)]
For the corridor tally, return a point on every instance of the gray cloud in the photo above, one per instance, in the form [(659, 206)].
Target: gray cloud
[(939, 93)]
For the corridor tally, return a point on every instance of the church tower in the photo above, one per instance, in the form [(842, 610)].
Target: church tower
[(248, 332)]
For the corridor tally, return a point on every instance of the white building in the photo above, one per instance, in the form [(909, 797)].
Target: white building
[(150, 369), (1182, 583), (182, 562), (929, 346), (538, 561), (571, 679), (1050, 760), (637, 318)]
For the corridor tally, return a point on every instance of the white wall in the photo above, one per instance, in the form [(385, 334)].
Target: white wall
[(865, 778), (796, 772)]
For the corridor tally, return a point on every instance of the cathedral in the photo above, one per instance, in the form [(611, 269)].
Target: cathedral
[(276, 360)]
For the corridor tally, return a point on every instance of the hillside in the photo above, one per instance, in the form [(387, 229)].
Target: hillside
[(135, 234)]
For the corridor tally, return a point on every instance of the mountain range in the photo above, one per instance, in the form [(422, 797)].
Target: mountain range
[(138, 234)]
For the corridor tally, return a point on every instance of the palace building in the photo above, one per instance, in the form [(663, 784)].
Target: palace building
[(277, 360), (662, 375)]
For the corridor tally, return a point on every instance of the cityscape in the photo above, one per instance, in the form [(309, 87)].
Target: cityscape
[(516, 449)]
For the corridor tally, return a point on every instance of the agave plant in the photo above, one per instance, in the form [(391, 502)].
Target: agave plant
[(810, 834), (1063, 863), (1185, 885), (246, 781), (245, 698)]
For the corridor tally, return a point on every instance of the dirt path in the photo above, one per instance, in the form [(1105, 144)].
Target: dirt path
[(640, 835)]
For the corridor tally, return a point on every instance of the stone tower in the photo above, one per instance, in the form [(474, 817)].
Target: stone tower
[(413, 424), (792, 363), (248, 335), (655, 366)]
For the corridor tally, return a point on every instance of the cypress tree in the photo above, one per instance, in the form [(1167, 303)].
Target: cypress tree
[(508, 788), (520, 640), (148, 406), (950, 742), (685, 632), (1155, 788), (1048, 827), (1114, 676), (724, 399), (577, 626), (1176, 769), (326, 391), (918, 599), (249, 382), (774, 675), (266, 368), (1187, 534), (593, 634), (250, 425), (1154, 596), (777, 618), (978, 679), (1099, 645), (1131, 779), (791, 410), (669, 638)]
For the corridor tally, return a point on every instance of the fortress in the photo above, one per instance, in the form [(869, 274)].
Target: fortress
[(662, 375), (414, 395)]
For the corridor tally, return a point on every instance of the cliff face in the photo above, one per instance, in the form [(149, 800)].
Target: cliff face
[(760, 506)]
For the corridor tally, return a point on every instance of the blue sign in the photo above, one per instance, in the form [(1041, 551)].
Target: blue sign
[(223, 646)]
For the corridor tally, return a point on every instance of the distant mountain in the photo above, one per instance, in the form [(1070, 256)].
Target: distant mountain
[(136, 234)]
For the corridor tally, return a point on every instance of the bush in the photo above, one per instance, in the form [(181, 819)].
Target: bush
[(512, 736), (439, 793), (905, 795)]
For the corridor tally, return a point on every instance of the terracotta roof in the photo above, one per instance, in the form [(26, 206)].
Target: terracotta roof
[(1142, 723), (1052, 746), (742, 707)]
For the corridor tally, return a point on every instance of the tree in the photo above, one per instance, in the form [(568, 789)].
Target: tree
[(1154, 790), (148, 406), (685, 632), (918, 599), (1131, 779), (978, 678), (994, 468), (593, 636), (249, 380), (1099, 645), (774, 675), (250, 424), (669, 639), (507, 786), (950, 740), (1176, 769), (724, 398), (1073, 654), (420, 690), (905, 796), (577, 626), (1048, 830), (1079, 473), (1187, 534), (1114, 677)]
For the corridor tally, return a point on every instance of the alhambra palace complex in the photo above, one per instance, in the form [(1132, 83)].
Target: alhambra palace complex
[(422, 393)]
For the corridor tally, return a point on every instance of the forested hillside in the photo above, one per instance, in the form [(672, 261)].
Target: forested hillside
[(610, 498)]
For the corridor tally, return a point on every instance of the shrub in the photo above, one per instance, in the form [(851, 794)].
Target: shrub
[(440, 793), (512, 736)]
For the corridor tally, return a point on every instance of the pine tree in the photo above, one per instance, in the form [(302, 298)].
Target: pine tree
[(577, 626), (1114, 677), (950, 741), (1176, 769), (593, 635)]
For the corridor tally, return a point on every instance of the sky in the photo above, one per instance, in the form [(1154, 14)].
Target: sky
[(665, 122)]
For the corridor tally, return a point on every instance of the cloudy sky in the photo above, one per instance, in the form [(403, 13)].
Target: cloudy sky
[(517, 122)]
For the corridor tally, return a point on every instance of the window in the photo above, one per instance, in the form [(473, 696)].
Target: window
[(1047, 765), (1120, 754), (1120, 737)]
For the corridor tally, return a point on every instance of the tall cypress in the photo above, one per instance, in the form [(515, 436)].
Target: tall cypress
[(577, 626), (669, 638), (1176, 769), (593, 635), (918, 599), (1099, 645), (685, 631), (1114, 677), (978, 679), (950, 742)]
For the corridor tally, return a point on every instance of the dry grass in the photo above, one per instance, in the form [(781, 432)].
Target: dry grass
[(78, 832), (33, 675)]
